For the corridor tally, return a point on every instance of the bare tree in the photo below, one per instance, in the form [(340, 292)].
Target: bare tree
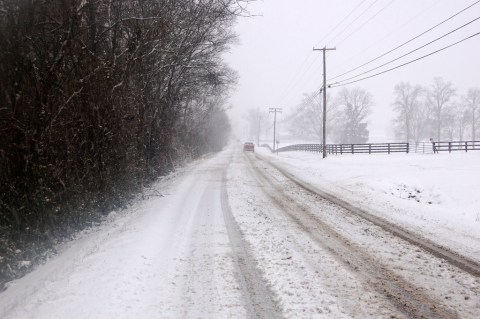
[(471, 101), (407, 104), (354, 106), (100, 97), (455, 119), (306, 120), (439, 96), (257, 121)]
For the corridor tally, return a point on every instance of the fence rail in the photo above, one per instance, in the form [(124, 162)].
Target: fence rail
[(367, 148), (452, 146), (267, 146), (421, 147), (370, 148)]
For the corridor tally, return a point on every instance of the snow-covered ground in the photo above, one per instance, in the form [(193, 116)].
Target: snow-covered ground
[(168, 256), (229, 236), (438, 195)]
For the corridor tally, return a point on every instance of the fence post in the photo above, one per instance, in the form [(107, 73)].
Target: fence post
[(388, 148), (449, 147), (341, 149), (369, 148), (466, 146), (408, 148)]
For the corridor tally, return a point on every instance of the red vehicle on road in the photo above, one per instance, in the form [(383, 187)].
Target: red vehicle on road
[(248, 147)]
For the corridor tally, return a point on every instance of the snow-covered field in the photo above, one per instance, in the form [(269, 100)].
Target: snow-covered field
[(438, 195), (229, 236)]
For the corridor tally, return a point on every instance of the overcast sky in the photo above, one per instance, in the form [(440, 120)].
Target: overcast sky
[(276, 63)]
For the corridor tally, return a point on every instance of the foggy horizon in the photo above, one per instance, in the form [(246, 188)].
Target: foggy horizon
[(277, 66)]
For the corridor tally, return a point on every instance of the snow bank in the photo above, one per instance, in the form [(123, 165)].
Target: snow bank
[(436, 195)]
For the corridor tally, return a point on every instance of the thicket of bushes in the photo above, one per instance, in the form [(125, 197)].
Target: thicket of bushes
[(97, 99)]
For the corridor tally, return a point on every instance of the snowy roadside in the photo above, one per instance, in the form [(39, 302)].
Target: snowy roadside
[(167, 256), (434, 195), (70, 257)]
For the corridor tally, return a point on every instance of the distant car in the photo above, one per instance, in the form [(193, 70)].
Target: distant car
[(248, 147)]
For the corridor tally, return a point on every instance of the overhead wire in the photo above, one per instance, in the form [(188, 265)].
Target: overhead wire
[(338, 24), (333, 85), (354, 20), (373, 44), (410, 52), (299, 75), (406, 42), (309, 99), (366, 22)]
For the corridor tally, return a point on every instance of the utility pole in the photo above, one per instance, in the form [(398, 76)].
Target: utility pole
[(274, 110), (324, 90), (258, 128)]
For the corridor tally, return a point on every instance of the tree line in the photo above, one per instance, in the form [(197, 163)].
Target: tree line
[(436, 111), (420, 112), (97, 99), (347, 114)]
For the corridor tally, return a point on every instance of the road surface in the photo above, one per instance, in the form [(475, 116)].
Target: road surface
[(233, 236)]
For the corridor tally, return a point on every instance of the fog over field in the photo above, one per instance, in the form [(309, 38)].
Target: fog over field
[(277, 66)]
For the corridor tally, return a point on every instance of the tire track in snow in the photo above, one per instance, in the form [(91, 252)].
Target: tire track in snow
[(259, 299), (466, 264), (407, 298)]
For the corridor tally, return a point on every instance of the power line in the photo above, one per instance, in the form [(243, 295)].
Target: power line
[(338, 24), (298, 76), (406, 63), (354, 20), (294, 78), (370, 19), (314, 72), (306, 101), (375, 43), (408, 53), (404, 43), (301, 71)]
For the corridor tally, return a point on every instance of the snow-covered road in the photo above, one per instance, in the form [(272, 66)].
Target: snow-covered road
[(170, 256), (231, 236)]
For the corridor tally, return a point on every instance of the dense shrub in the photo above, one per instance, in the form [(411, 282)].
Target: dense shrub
[(97, 99)]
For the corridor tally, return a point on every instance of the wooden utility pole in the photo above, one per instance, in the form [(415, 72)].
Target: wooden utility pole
[(274, 110), (258, 127), (324, 89)]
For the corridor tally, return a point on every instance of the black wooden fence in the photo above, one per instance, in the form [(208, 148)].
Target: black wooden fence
[(453, 146), (372, 148), (369, 148), (444, 146)]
